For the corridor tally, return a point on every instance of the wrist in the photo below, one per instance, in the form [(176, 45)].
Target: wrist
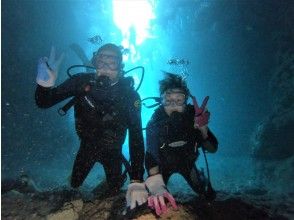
[(204, 139), (153, 174), (153, 171), (157, 176), (136, 181), (45, 84)]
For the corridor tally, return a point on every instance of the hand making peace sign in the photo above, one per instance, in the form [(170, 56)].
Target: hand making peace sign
[(201, 114)]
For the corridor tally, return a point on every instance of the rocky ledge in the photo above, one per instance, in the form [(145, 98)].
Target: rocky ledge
[(66, 204)]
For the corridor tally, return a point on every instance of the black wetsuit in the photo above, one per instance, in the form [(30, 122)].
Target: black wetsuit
[(172, 144), (102, 117)]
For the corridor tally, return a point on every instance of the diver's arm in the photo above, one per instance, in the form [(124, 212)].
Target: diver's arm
[(137, 194), (151, 165), (136, 143), (209, 142), (46, 97), (152, 152), (155, 185), (153, 171)]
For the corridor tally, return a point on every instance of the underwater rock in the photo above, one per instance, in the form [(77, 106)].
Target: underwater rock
[(245, 205), (77, 205), (69, 211), (104, 207), (276, 176), (67, 214), (181, 213), (273, 139)]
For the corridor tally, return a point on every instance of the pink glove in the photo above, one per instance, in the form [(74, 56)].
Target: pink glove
[(201, 115), (158, 194), (158, 203)]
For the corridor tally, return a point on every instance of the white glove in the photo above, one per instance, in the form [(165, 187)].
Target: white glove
[(155, 185), (136, 194), (158, 192), (48, 69)]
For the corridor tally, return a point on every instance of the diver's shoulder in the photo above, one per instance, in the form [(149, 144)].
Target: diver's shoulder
[(157, 120), (158, 114), (127, 82), (190, 109), (127, 85)]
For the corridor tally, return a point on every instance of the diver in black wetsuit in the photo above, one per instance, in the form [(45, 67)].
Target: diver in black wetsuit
[(106, 107), (173, 137)]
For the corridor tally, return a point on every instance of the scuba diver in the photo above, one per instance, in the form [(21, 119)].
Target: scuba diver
[(174, 134), (105, 107)]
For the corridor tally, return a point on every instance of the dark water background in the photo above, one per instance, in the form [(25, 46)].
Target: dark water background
[(234, 47)]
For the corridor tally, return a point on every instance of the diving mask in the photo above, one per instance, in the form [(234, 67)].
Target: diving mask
[(105, 61), (173, 99)]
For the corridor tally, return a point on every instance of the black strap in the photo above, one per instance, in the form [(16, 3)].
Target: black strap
[(206, 162), (127, 165), (156, 99), (126, 171), (62, 111)]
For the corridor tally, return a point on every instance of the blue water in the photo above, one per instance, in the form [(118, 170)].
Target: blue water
[(232, 55)]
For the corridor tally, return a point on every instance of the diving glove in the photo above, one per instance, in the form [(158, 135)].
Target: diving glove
[(201, 114), (136, 195), (48, 69), (158, 193)]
